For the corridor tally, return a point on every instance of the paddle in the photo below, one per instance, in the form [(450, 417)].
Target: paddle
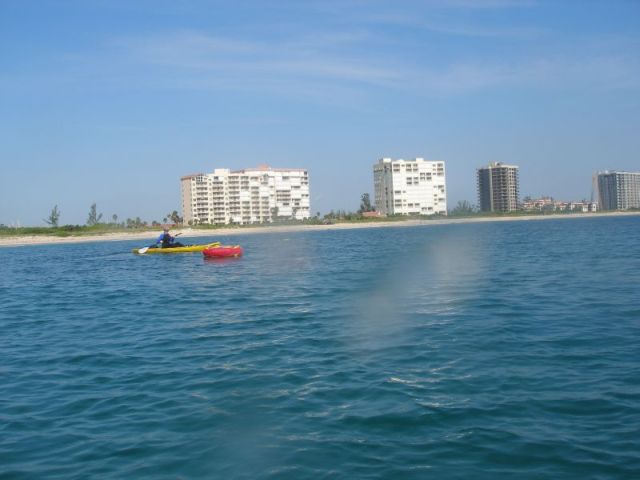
[(144, 249)]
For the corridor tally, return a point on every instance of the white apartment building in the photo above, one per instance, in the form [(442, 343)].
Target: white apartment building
[(249, 196), (410, 187), (548, 204), (618, 190)]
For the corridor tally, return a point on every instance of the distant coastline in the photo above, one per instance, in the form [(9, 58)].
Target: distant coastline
[(151, 234)]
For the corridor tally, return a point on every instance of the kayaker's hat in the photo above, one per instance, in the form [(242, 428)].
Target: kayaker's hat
[(166, 229)]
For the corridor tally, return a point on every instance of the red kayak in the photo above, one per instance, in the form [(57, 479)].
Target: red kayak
[(223, 251)]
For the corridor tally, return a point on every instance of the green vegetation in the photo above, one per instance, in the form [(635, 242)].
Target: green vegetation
[(61, 231), (53, 217), (174, 217), (94, 217), (462, 210), (365, 204)]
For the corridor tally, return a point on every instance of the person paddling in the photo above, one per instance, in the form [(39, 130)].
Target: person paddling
[(166, 240)]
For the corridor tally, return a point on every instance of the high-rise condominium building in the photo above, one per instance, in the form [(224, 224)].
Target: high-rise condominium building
[(498, 187), (410, 187), (252, 195), (618, 190)]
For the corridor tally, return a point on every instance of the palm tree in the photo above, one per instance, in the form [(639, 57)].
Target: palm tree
[(175, 218)]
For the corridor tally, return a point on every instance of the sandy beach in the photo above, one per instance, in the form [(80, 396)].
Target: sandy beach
[(150, 235)]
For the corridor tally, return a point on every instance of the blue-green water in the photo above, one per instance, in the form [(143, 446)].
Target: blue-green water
[(497, 350)]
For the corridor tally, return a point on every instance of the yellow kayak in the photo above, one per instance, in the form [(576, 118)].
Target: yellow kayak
[(185, 249)]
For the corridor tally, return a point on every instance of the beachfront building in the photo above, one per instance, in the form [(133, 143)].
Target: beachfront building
[(410, 187), (242, 197), (498, 187), (618, 190), (548, 204)]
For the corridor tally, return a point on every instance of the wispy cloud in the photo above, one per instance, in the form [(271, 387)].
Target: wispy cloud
[(340, 6), (243, 60), (335, 67), (451, 17), (483, 4), (438, 24), (198, 59), (550, 73)]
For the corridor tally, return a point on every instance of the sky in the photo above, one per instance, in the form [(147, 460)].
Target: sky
[(111, 102)]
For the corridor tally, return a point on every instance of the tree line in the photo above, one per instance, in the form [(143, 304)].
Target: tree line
[(95, 219)]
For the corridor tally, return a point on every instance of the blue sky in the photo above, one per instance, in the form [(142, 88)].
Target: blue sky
[(112, 101)]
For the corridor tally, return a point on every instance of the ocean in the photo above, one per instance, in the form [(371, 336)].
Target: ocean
[(487, 350)]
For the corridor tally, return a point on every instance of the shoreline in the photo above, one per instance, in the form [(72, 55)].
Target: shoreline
[(29, 240)]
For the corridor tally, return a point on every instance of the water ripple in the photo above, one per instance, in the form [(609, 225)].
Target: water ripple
[(463, 351)]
